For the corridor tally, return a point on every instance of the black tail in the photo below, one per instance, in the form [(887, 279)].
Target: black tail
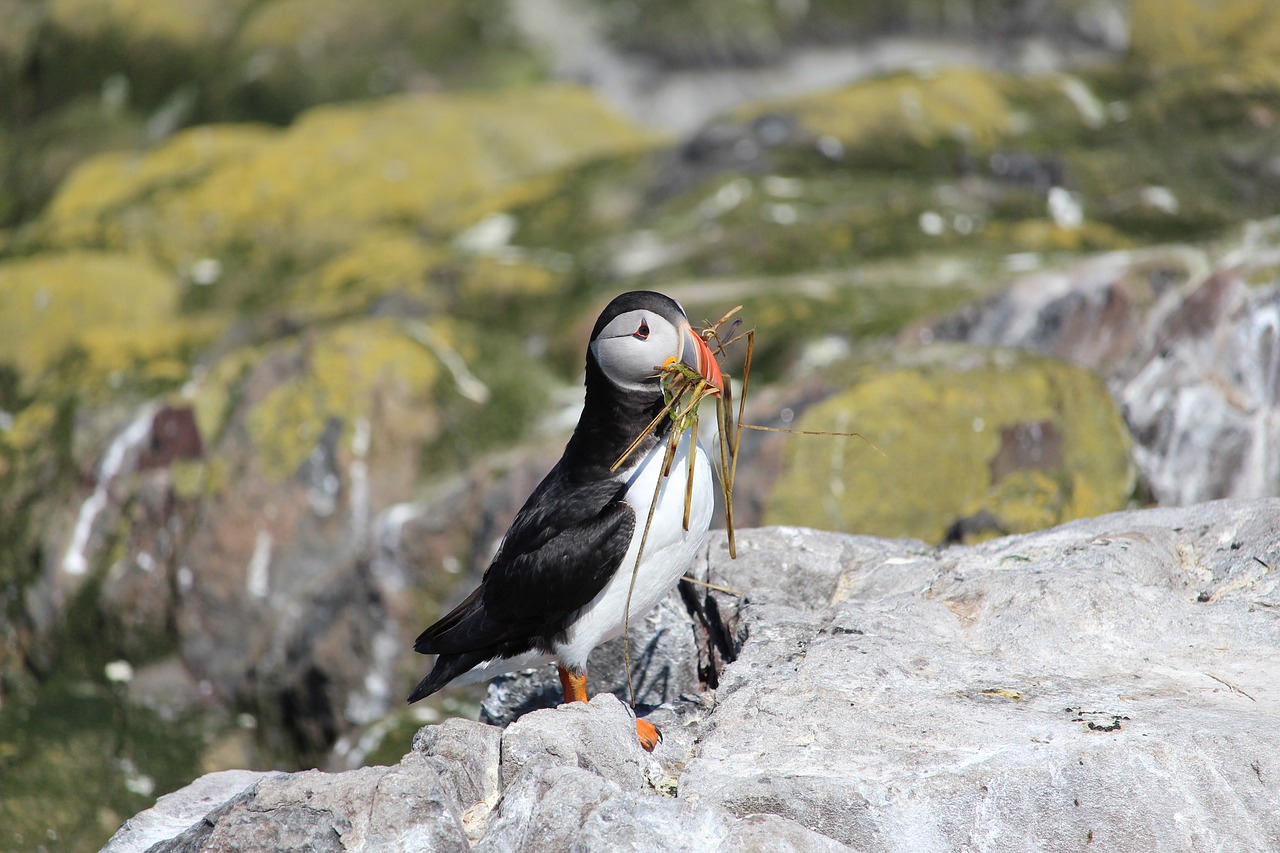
[(447, 668), (466, 628), (463, 638)]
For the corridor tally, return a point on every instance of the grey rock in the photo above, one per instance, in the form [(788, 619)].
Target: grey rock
[(1113, 679), (544, 808), (466, 756), (174, 812), (599, 736), (405, 807), (1205, 407), (558, 807)]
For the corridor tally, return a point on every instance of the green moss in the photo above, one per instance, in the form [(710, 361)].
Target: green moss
[(939, 423), (518, 388), (77, 758)]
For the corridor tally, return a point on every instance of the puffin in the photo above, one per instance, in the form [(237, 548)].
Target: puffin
[(559, 583)]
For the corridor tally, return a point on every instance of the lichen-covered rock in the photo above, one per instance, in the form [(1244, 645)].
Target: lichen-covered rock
[(1187, 343), (288, 492), (119, 309), (957, 442), (892, 116), (247, 196), (1190, 32)]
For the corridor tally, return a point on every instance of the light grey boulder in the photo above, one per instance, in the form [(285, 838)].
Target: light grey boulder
[(544, 808), (1112, 681), (400, 808), (174, 812), (466, 756), (599, 736)]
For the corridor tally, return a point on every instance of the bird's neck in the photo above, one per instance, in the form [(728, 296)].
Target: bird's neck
[(612, 419)]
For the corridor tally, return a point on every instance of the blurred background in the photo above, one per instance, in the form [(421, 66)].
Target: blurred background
[(294, 296)]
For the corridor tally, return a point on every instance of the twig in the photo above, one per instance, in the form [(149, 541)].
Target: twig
[(709, 585), (1232, 687)]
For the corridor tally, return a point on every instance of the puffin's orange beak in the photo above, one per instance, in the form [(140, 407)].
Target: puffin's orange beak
[(697, 355)]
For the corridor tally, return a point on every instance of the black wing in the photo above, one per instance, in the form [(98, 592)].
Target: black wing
[(564, 545)]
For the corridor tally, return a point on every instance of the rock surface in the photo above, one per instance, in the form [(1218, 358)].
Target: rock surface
[(1111, 681)]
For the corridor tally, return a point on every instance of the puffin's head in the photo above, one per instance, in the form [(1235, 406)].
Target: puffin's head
[(638, 332)]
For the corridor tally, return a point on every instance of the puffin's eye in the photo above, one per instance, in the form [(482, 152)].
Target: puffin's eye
[(641, 333)]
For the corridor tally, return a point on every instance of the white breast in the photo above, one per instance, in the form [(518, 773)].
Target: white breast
[(668, 548)]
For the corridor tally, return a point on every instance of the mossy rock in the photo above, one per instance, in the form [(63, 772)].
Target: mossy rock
[(955, 162), (995, 440), (1177, 33), (883, 120), (40, 153), (285, 395), (387, 270), (267, 205), (120, 310)]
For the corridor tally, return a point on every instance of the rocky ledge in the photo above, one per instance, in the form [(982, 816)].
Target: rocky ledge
[(1112, 681)]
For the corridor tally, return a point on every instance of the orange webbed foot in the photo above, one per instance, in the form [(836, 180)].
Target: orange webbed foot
[(648, 734)]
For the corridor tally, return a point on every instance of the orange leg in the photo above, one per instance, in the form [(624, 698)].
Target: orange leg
[(574, 685)]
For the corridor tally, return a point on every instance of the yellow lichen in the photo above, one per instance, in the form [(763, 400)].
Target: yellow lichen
[(379, 262), (405, 159), (286, 426), (1172, 33), (427, 161), (192, 479), (30, 426), (182, 23), (107, 183), (964, 105), (353, 369), (212, 398), (117, 307), (939, 425)]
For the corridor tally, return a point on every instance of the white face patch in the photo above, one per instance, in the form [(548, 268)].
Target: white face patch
[(632, 347)]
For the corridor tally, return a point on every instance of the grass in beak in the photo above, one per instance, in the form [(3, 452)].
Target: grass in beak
[(684, 389)]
